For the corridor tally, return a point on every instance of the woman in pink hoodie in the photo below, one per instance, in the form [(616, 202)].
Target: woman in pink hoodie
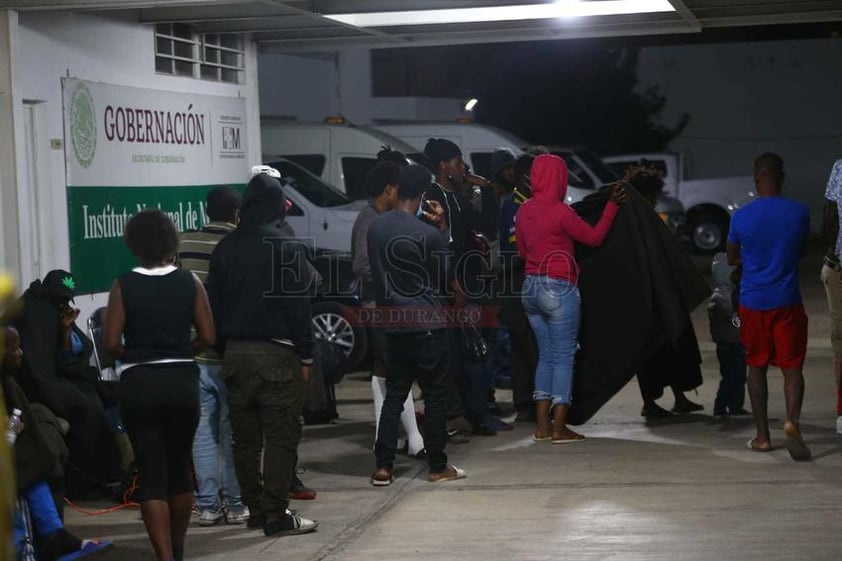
[(546, 230)]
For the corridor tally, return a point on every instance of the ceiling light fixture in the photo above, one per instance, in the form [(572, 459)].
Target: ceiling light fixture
[(559, 9)]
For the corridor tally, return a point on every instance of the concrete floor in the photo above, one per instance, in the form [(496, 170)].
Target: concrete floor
[(681, 489)]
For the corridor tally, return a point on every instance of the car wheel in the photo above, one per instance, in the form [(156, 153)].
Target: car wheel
[(333, 323), (708, 231)]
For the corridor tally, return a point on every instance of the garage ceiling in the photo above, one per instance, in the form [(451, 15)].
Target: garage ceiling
[(305, 25)]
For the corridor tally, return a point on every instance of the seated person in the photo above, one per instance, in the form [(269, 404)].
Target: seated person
[(56, 372), (39, 452)]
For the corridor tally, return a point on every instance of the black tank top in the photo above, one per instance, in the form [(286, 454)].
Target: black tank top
[(159, 315)]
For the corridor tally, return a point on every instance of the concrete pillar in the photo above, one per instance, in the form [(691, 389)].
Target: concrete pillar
[(355, 100), (10, 148)]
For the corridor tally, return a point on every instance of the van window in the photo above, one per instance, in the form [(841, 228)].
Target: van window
[(354, 170), (314, 163), (481, 162), (620, 167), (659, 165), (293, 209), (602, 172), (311, 187), (576, 175)]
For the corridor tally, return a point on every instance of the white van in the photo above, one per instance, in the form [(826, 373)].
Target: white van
[(477, 141), (317, 211), (710, 203), (339, 153)]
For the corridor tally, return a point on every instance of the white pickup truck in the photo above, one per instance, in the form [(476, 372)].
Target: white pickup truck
[(709, 202)]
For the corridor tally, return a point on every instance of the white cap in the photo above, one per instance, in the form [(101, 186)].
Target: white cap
[(268, 170)]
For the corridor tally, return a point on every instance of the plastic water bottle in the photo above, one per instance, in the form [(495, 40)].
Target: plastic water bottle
[(11, 430)]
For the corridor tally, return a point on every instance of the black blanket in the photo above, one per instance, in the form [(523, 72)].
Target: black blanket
[(638, 290)]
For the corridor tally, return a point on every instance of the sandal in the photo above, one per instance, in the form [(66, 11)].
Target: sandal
[(90, 548), (569, 438), (798, 449), (750, 446)]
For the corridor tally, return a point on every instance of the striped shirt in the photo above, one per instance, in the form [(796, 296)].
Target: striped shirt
[(194, 253), (195, 248)]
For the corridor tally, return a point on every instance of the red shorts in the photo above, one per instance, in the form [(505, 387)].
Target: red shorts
[(777, 337)]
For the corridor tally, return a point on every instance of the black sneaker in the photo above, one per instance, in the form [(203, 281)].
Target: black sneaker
[(483, 430), (256, 520), (655, 411), (290, 525), (526, 416), (687, 406)]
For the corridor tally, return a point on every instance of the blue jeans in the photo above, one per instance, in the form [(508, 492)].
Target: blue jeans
[(553, 308), (731, 395), (43, 515), (502, 350), (213, 443)]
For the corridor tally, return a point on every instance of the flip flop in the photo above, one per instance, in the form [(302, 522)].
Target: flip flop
[(580, 438), (798, 449), (89, 549), (541, 438), (750, 446)]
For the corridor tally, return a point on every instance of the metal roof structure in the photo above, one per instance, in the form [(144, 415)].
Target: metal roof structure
[(318, 25)]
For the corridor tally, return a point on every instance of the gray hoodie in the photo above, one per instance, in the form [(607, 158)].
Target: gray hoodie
[(724, 322)]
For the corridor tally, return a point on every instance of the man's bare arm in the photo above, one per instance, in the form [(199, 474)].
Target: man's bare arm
[(733, 252)]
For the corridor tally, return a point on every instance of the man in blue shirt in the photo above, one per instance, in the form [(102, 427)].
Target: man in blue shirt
[(767, 239)]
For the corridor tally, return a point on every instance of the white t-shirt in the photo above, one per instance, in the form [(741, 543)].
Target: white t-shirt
[(834, 193)]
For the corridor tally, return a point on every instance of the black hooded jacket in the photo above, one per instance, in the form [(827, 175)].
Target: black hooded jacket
[(638, 290), (259, 280)]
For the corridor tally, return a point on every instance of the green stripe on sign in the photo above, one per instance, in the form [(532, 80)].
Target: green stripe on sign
[(98, 215)]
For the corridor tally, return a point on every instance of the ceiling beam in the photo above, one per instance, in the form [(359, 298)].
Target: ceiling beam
[(281, 45), (362, 6), (772, 19), (245, 10), (323, 20), (32, 5), (686, 13)]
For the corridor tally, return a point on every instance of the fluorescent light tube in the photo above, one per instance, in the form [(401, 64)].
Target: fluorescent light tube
[(559, 9)]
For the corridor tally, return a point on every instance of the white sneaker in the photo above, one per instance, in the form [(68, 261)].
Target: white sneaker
[(839, 424), (211, 517), (237, 514)]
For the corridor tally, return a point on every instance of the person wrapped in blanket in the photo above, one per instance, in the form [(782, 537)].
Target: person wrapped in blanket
[(39, 451), (57, 372), (649, 182)]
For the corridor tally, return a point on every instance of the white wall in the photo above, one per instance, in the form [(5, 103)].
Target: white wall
[(105, 48), (308, 88), (417, 108), (298, 87), (747, 98)]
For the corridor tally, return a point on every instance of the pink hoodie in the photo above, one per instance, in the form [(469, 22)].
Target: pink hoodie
[(546, 228)]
